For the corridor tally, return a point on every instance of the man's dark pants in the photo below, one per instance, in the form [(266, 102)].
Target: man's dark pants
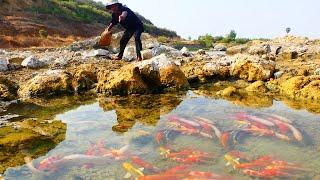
[(127, 36)]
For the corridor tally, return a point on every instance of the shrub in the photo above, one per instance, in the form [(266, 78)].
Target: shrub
[(163, 39), (206, 40), (232, 35), (43, 33)]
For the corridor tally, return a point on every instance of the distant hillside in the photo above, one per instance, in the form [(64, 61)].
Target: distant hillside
[(60, 21)]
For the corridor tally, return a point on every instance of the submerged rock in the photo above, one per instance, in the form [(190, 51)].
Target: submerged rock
[(32, 138), (148, 76), (227, 92), (32, 62), (252, 68), (49, 83), (258, 86)]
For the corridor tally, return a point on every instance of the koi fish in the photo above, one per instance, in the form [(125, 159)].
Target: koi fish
[(282, 126), (178, 169), (140, 162), (234, 162), (296, 133), (48, 163), (159, 136), (184, 121), (163, 177), (225, 139), (164, 151), (30, 165), (209, 124), (203, 175), (280, 118), (132, 171), (266, 173), (245, 116)]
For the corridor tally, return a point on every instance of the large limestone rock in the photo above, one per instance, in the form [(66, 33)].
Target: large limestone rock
[(50, 83), (152, 75), (302, 87), (84, 77), (163, 72), (237, 49), (32, 62), (146, 54), (126, 80), (252, 68)]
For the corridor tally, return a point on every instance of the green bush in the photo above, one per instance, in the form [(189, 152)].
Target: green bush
[(206, 40), (163, 39), (43, 33)]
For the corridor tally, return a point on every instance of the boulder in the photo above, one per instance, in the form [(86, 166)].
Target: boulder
[(96, 53), (129, 53), (124, 81), (49, 83), (32, 62), (302, 87), (146, 54), (185, 52), (152, 75), (201, 52), (278, 74), (84, 77), (317, 71), (220, 47), (252, 68), (163, 72), (237, 49), (259, 49)]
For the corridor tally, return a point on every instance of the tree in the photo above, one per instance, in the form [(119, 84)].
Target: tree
[(206, 40), (232, 35)]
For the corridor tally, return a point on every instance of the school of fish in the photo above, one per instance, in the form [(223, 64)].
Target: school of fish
[(244, 124)]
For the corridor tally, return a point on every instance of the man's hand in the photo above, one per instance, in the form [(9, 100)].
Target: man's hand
[(123, 16)]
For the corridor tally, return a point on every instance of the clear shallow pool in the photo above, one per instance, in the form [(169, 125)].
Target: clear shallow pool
[(141, 130)]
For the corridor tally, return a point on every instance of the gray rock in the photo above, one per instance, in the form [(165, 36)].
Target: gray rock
[(185, 52), (201, 52), (3, 65), (32, 62), (96, 53), (220, 47), (278, 74), (129, 53), (317, 71)]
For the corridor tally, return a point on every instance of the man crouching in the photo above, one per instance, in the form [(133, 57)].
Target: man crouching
[(132, 24)]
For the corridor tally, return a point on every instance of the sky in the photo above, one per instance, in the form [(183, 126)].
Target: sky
[(249, 18)]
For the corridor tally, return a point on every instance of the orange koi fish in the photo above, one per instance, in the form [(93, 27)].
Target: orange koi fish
[(225, 139), (142, 163)]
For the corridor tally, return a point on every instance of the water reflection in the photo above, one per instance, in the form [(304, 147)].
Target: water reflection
[(145, 109)]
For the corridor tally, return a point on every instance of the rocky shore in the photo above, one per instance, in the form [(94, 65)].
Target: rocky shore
[(284, 67)]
